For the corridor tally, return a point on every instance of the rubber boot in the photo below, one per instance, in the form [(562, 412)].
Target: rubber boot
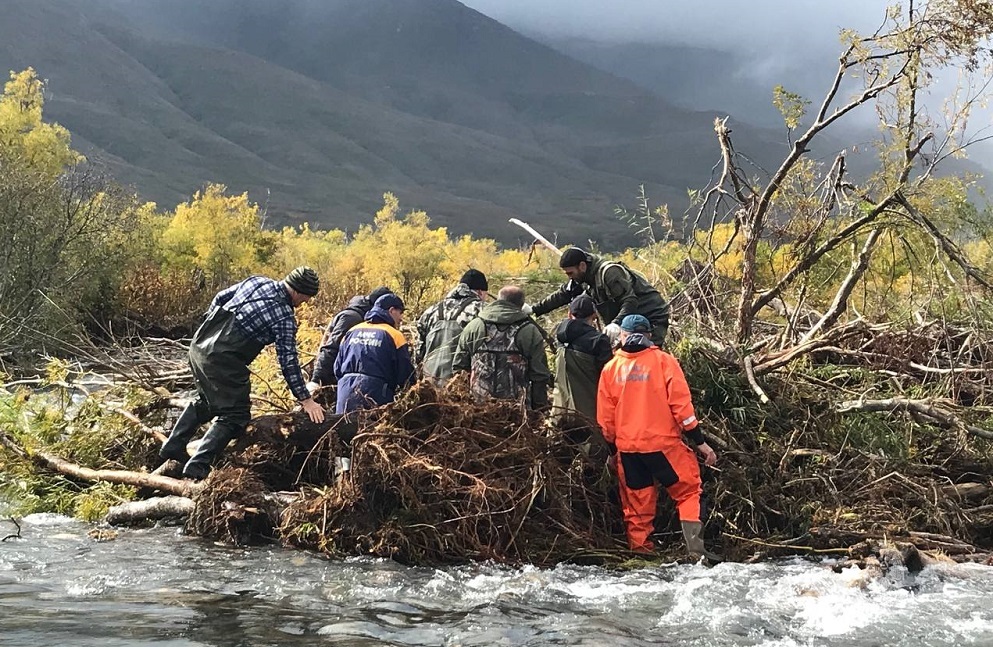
[(692, 533), (211, 446), (174, 448)]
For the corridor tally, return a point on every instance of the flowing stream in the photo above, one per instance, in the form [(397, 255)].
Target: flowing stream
[(59, 586)]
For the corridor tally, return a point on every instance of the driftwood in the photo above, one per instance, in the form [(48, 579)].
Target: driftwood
[(153, 509), (122, 477)]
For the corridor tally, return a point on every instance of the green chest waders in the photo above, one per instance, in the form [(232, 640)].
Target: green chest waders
[(219, 357)]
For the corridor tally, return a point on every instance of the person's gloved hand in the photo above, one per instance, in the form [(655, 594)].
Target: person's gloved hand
[(613, 332), (527, 309), (313, 387)]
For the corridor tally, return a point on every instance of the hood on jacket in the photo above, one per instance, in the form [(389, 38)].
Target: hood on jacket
[(572, 329), (360, 303), (636, 342), (378, 315), (502, 312)]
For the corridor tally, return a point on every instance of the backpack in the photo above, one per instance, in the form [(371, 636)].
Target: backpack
[(441, 340), (499, 369)]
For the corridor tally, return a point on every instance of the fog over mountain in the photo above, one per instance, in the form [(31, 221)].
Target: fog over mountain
[(714, 55)]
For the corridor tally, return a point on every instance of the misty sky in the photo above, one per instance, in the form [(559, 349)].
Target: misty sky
[(752, 26)]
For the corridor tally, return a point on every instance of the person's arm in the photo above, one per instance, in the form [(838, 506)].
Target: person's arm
[(532, 345), (323, 372), (619, 284), (404, 367), (561, 297), (224, 296), (681, 406), (606, 404), (602, 351), (462, 361), (423, 326), (289, 362)]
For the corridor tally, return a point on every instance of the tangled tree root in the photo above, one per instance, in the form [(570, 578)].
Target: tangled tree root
[(432, 481)]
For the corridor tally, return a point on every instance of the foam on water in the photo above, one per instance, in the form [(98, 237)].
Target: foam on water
[(157, 582)]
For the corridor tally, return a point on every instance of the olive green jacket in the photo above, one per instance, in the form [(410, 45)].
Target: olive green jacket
[(617, 292)]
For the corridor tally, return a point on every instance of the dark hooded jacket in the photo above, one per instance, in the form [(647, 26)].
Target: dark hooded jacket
[(341, 323), (617, 291), (373, 363), (582, 352)]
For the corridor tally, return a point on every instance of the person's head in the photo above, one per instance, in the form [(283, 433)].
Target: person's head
[(392, 304), (512, 294), (378, 292), (302, 284), (476, 281), (633, 324), (574, 262), (582, 307)]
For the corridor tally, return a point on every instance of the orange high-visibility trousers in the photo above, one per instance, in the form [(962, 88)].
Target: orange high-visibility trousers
[(639, 505)]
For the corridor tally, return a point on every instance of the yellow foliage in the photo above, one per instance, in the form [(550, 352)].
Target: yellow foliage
[(216, 234), (24, 137)]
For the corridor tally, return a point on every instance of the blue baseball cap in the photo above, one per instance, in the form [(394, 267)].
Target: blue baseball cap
[(635, 323)]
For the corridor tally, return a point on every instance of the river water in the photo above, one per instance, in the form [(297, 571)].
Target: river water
[(59, 586)]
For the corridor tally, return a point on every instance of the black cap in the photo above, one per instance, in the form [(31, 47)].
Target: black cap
[(388, 301), (572, 257), (475, 279), (582, 307), (378, 292), (304, 280)]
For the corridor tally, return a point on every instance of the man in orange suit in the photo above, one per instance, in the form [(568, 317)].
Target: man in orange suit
[(644, 408)]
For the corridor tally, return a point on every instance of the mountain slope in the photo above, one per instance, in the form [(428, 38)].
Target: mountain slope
[(323, 106)]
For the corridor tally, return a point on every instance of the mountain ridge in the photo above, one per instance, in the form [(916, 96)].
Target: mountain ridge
[(450, 110)]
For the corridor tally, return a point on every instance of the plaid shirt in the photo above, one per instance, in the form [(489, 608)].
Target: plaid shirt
[(263, 311)]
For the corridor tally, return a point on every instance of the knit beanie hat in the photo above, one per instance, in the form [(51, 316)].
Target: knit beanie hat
[(475, 280), (304, 280), (572, 257)]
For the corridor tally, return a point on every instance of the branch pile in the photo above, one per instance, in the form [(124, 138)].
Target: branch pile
[(431, 481)]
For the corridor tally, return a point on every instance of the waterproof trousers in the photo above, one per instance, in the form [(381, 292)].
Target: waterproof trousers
[(639, 475), (219, 357)]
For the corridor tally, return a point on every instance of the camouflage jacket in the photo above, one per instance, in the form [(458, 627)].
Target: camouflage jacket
[(462, 304)]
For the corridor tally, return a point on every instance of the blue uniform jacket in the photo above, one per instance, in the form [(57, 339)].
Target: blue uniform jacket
[(373, 363)]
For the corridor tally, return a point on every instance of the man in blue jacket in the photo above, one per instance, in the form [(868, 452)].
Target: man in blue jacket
[(373, 362), (353, 314)]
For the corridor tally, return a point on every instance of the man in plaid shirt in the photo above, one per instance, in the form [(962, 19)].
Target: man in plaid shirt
[(241, 321)]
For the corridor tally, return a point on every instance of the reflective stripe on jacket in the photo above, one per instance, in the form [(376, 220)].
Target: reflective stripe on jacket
[(643, 401)]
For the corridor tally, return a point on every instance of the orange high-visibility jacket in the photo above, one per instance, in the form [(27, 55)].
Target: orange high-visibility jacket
[(643, 401)]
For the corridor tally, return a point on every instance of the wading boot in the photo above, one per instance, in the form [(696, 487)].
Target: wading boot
[(211, 446), (692, 533), (174, 448)]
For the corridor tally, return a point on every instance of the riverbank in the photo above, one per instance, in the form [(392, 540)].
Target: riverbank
[(436, 482)]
